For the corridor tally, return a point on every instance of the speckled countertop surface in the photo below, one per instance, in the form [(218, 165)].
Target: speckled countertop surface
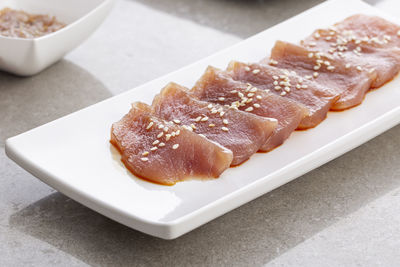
[(345, 213)]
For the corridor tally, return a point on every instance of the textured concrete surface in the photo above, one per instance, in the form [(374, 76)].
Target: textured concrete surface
[(345, 213)]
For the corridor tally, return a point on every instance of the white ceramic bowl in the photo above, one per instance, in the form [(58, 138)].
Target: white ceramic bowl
[(27, 57)]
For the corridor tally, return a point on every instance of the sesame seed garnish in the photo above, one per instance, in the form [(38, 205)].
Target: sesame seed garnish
[(177, 132), (287, 89), (249, 109), (250, 94), (246, 68), (204, 119), (317, 35), (222, 113), (348, 65), (209, 106), (213, 111), (283, 93), (371, 70), (145, 153), (161, 144), (175, 146), (330, 68), (165, 129), (312, 44), (211, 125), (398, 33), (277, 88), (150, 125), (317, 67), (160, 135), (308, 77), (327, 63), (160, 126), (304, 86), (221, 98), (273, 62), (173, 134), (256, 105), (259, 97), (256, 71), (275, 77), (234, 91), (193, 126), (298, 86), (197, 119), (359, 68), (144, 159), (177, 121), (156, 142), (225, 121), (153, 148), (224, 129), (253, 90)]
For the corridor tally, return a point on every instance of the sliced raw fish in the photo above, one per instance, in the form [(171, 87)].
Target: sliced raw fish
[(146, 151), (322, 68), (241, 132), (369, 43), (218, 87), (316, 98)]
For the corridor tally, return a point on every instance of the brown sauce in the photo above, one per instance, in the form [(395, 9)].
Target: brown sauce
[(15, 23)]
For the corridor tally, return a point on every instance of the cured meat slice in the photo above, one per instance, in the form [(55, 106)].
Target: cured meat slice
[(218, 87), (316, 98), (322, 68), (241, 132), (165, 153), (369, 43)]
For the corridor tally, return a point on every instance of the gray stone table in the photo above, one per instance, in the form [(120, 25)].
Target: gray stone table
[(346, 212)]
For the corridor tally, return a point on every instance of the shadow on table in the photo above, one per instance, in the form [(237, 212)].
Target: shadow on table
[(27, 102), (253, 234)]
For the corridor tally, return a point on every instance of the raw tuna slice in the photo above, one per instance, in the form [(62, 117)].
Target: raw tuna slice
[(322, 68), (165, 153), (316, 98), (368, 43), (241, 132), (218, 87)]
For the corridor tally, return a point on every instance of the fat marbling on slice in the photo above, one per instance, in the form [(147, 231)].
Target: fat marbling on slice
[(164, 153), (217, 86), (315, 97), (367, 43), (351, 83), (241, 132)]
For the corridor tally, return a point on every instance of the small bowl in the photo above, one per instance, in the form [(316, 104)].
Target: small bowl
[(27, 57)]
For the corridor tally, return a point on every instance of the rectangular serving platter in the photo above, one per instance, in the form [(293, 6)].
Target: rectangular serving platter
[(73, 154)]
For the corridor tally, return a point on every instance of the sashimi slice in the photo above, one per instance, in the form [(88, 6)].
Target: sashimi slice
[(350, 83), (369, 43), (316, 98), (146, 151), (218, 87), (241, 132)]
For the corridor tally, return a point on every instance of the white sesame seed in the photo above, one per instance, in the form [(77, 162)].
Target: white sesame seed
[(161, 144), (304, 86), (398, 33), (275, 77), (308, 77), (256, 71), (211, 125), (277, 88), (222, 113), (213, 111), (175, 146), (160, 135), (153, 148), (250, 94), (234, 91), (273, 62), (317, 67), (287, 89), (246, 68), (221, 98), (224, 129), (249, 100), (348, 65), (317, 35), (327, 63), (312, 44), (330, 68), (167, 137), (160, 126), (259, 97), (256, 105), (177, 121), (359, 68), (173, 134), (156, 142), (328, 38), (371, 70), (276, 83), (249, 109), (253, 90), (150, 125), (315, 74), (144, 159), (225, 121), (204, 119), (283, 93), (145, 153), (177, 132), (197, 119), (240, 95), (165, 129), (193, 126), (298, 86), (209, 106)]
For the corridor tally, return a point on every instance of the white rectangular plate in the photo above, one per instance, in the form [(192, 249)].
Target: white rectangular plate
[(73, 155)]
